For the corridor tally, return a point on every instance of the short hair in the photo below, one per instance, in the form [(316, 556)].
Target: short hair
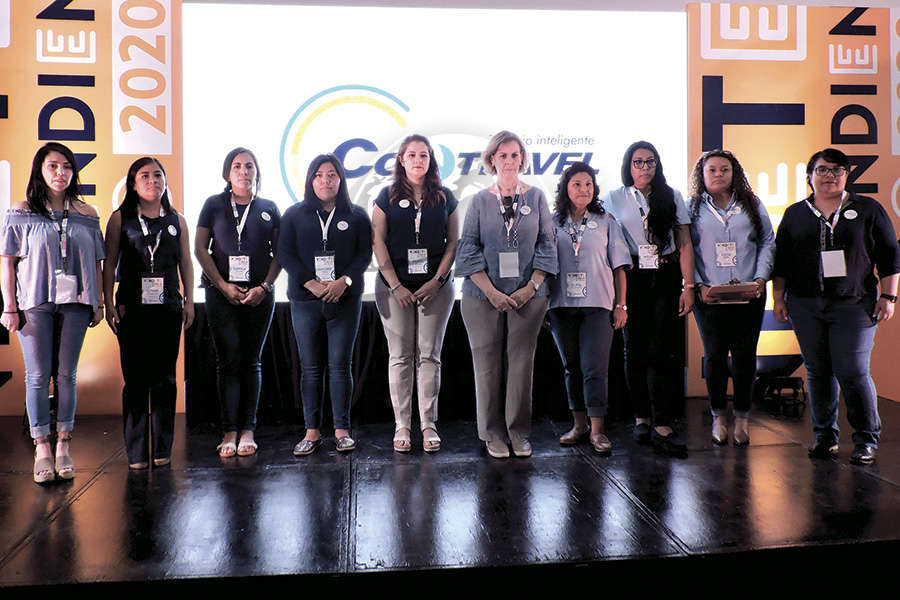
[(36, 191), (343, 196), (130, 202), (563, 202), (498, 139), (229, 159), (832, 155)]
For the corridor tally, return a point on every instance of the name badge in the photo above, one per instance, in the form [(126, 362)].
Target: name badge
[(238, 268), (325, 267), (833, 264), (152, 289), (417, 261), (66, 288), (726, 254), (509, 265), (576, 285), (648, 256)]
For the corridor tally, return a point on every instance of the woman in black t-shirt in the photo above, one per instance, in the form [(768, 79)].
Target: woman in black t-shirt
[(235, 245), (415, 234), (147, 249)]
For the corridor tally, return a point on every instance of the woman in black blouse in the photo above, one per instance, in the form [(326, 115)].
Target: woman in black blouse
[(237, 234), (147, 249), (827, 251)]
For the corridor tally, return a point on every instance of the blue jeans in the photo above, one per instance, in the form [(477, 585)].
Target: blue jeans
[(322, 330), (238, 333), (836, 337), (52, 337), (584, 337)]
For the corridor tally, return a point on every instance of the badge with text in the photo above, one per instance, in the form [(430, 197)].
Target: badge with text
[(152, 289), (325, 266), (833, 263), (417, 261), (509, 265), (726, 254), (66, 288), (576, 285), (648, 257), (238, 268)]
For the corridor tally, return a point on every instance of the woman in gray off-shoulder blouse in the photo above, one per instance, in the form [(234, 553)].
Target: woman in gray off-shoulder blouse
[(506, 250), (50, 253)]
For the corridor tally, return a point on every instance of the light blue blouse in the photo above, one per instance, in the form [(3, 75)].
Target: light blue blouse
[(35, 241), (484, 237), (623, 204), (603, 249), (755, 254)]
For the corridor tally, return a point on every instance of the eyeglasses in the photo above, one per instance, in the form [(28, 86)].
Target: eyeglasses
[(640, 164), (838, 172)]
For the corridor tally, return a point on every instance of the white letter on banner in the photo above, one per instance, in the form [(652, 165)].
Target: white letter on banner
[(142, 76)]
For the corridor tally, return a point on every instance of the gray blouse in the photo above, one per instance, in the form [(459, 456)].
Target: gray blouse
[(35, 241), (484, 237)]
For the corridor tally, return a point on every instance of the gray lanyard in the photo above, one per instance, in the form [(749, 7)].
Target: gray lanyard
[(63, 231)]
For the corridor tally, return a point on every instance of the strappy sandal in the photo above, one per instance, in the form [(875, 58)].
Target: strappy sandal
[(430, 442), (43, 467), (65, 466), (402, 441), (226, 449), (247, 448)]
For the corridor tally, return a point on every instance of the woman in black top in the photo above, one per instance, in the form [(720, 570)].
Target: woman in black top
[(325, 245), (416, 231), (235, 244), (147, 249), (827, 250)]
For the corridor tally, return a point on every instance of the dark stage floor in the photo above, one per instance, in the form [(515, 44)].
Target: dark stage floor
[(329, 518)]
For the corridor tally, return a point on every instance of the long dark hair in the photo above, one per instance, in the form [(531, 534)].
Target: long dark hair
[(37, 193), (130, 202), (342, 199), (402, 188), (662, 218), (564, 203), (740, 187), (226, 167)]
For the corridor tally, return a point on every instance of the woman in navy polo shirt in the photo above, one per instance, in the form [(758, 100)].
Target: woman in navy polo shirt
[(733, 243), (325, 245), (828, 249), (415, 233), (237, 234), (587, 299)]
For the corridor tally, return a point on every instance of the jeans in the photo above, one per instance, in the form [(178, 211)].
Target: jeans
[(730, 328), (415, 335), (836, 337), (650, 337), (584, 338), (328, 329), (52, 331), (238, 333), (149, 339)]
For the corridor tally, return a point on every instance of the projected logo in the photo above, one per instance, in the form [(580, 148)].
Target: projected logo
[(730, 32)]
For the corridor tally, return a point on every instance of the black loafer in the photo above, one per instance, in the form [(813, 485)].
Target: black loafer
[(863, 455), (641, 433), (823, 449), (670, 445)]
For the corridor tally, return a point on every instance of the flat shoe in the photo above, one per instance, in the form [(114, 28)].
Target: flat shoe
[(305, 447), (430, 442), (65, 467), (641, 433), (226, 449), (138, 466), (601, 444), (521, 447), (719, 431), (43, 470), (247, 448), (345, 444), (161, 462), (497, 449), (671, 444), (402, 442), (573, 436)]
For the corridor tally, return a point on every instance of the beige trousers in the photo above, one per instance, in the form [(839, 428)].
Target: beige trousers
[(485, 326)]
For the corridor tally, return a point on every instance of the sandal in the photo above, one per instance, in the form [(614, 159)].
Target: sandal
[(305, 447), (65, 466), (247, 448), (430, 442), (43, 467), (345, 444), (402, 442), (226, 449)]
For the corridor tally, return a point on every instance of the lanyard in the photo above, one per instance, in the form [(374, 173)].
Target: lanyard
[(734, 209), (151, 249), (510, 221), (640, 206), (577, 234), (63, 231), (829, 225), (324, 225), (417, 221), (243, 221)]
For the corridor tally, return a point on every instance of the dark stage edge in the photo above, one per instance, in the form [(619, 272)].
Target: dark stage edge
[(724, 516)]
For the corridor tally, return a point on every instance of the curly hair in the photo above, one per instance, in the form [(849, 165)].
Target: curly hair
[(662, 218), (401, 186), (564, 203), (740, 187)]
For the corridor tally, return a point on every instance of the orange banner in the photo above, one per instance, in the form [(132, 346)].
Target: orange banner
[(104, 78)]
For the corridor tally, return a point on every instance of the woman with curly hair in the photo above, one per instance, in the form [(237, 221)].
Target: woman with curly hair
[(587, 299), (733, 243)]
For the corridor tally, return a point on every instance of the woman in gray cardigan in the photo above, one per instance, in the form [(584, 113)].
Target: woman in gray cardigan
[(506, 251)]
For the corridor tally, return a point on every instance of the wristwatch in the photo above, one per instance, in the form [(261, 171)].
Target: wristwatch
[(534, 284), (622, 306), (347, 280), (267, 286), (441, 280), (889, 298)]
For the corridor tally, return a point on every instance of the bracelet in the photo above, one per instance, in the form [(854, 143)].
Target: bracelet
[(534, 285), (622, 306), (689, 286), (267, 286), (10, 312), (889, 298), (396, 287)]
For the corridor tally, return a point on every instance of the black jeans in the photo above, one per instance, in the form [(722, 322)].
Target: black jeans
[(149, 338), (730, 328), (650, 338), (583, 337), (238, 333)]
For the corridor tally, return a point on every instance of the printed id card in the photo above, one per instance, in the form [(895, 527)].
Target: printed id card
[(833, 263), (417, 261), (238, 268), (726, 254), (325, 266), (152, 289), (648, 256), (509, 265), (66, 288), (576, 285)]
